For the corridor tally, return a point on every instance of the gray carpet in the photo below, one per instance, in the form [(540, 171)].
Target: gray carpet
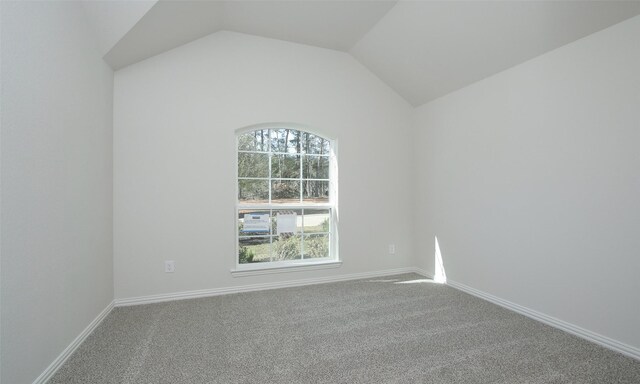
[(383, 330)]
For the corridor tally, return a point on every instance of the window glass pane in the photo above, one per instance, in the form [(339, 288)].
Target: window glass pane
[(288, 221), (316, 191), (315, 167), (253, 249), (316, 220), (253, 164), (314, 144), (285, 166), (285, 140), (253, 191), (316, 246), (254, 141), (252, 223), (286, 247), (285, 191)]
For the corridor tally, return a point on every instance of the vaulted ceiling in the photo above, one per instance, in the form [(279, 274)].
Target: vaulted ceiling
[(421, 49)]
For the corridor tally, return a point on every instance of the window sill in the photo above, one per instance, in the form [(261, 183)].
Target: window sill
[(254, 270)]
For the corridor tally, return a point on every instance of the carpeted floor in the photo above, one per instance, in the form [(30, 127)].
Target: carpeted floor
[(399, 329)]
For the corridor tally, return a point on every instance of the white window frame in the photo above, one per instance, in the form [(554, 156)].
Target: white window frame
[(333, 261)]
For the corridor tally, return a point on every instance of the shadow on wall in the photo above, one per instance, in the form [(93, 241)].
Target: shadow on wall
[(440, 276)]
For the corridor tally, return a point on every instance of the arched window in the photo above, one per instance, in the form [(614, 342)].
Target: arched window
[(286, 190)]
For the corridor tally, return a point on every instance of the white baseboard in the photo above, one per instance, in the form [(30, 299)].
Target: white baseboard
[(57, 363), (258, 287), (604, 341), (423, 272), (593, 337)]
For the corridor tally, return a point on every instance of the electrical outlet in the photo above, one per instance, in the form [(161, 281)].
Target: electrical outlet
[(169, 266), (392, 249)]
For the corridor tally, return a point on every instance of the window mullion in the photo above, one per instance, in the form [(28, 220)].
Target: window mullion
[(270, 237), (270, 156), (302, 237), (269, 186), (301, 200), (301, 177)]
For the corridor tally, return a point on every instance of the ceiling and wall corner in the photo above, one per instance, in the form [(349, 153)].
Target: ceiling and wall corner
[(425, 50), (328, 24), (422, 49), (111, 20)]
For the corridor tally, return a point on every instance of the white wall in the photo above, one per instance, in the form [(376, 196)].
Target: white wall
[(57, 266), (530, 180), (174, 148)]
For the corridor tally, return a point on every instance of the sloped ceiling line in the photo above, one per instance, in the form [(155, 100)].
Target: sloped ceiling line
[(421, 49)]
